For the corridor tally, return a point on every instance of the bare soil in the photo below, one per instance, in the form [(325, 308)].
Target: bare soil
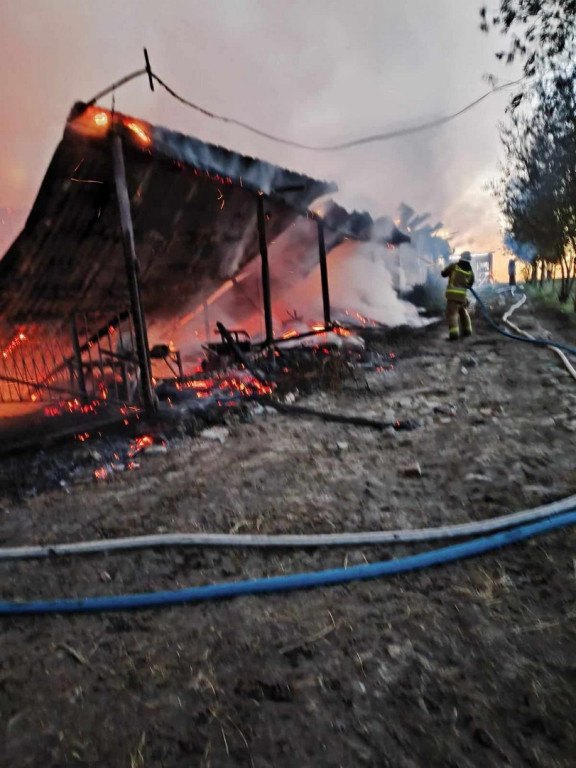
[(471, 664)]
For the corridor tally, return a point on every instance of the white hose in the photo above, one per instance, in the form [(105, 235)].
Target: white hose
[(458, 530), (515, 328), (293, 540)]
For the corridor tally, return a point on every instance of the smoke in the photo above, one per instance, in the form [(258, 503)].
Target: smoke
[(362, 279), (524, 251), (317, 72), (365, 278)]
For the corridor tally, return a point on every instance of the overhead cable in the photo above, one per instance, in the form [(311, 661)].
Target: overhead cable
[(377, 137), (386, 136)]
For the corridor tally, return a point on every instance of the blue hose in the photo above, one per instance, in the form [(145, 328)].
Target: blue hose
[(295, 581), (539, 342)]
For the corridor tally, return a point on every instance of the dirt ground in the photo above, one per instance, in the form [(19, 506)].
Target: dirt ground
[(470, 664)]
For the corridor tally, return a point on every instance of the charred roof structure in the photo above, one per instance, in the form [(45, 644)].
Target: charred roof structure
[(193, 213), (135, 222)]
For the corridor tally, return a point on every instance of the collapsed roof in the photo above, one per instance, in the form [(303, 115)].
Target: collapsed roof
[(194, 217)]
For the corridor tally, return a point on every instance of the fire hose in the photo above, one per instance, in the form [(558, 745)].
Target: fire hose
[(362, 538), (291, 582), (506, 318), (517, 337), (549, 517)]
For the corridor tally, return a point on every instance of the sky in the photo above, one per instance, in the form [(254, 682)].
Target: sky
[(315, 71)]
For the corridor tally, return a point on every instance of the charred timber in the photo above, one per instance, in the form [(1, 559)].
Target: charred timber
[(265, 271), (133, 275), (238, 354), (77, 367), (94, 339), (341, 418), (324, 273)]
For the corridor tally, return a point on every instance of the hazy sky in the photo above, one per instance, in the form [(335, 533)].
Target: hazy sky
[(317, 71)]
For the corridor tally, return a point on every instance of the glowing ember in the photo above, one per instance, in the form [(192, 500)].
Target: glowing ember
[(16, 342), (139, 131), (102, 473), (143, 442), (364, 321), (71, 406), (341, 331), (226, 386)]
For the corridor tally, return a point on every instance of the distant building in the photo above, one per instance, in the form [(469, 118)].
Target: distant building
[(483, 266)]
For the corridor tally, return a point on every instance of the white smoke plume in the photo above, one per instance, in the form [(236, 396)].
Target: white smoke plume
[(364, 278)]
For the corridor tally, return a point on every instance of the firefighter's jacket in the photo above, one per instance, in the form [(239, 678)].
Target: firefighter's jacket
[(460, 278)]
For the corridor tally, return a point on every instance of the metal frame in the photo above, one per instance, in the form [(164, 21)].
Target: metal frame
[(266, 292)]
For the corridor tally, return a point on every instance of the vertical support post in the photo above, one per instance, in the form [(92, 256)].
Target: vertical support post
[(133, 275), (179, 363), (77, 367), (324, 273), (265, 272)]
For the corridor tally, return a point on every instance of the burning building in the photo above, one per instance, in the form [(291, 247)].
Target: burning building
[(135, 229)]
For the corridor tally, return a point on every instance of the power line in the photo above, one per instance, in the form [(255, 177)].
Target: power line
[(347, 144), (386, 136), (117, 84)]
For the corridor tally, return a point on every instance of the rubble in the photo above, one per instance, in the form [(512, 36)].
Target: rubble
[(218, 434)]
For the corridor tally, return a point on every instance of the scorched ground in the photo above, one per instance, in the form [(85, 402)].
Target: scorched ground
[(470, 664)]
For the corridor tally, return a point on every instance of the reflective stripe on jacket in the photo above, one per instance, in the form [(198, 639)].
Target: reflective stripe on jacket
[(459, 280)]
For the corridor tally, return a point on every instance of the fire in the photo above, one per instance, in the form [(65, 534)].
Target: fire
[(93, 121), (138, 445), (16, 342), (341, 331), (71, 406), (143, 442), (139, 130), (226, 386), (364, 321)]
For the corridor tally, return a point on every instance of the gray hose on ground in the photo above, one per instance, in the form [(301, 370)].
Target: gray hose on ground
[(364, 538), (506, 319), (515, 336)]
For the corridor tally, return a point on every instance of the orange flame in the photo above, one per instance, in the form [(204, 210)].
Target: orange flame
[(139, 129)]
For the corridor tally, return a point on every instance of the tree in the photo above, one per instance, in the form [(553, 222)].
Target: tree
[(537, 191), (540, 32)]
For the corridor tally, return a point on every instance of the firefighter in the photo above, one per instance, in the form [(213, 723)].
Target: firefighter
[(460, 278)]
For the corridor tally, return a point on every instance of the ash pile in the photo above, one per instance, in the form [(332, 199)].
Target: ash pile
[(234, 383)]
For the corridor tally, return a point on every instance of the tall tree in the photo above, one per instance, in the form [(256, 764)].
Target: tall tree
[(537, 191), (541, 33)]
